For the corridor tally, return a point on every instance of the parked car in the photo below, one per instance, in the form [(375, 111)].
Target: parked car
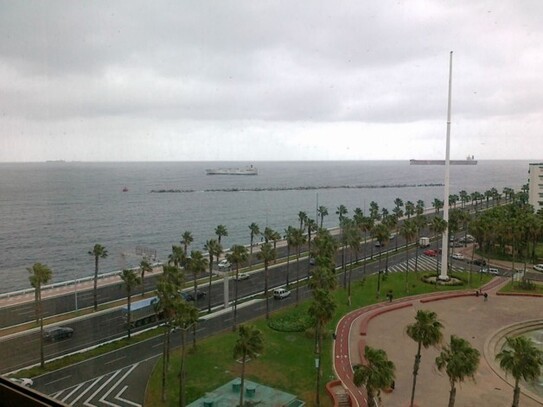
[(280, 293), (224, 264), (458, 256), (58, 333), (189, 296), (22, 381), (538, 267), (430, 252), (241, 276)]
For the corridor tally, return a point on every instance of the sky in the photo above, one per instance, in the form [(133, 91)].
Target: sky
[(269, 80)]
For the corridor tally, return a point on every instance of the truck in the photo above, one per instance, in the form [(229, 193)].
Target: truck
[(424, 242), (142, 312)]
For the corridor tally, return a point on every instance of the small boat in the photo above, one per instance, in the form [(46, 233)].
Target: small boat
[(125, 189), (249, 170)]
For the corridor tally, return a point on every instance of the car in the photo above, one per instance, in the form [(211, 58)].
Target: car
[(430, 252), (538, 267), (280, 293), (224, 264), (311, 261), (490, 270), (57, 333), (458, 256), (23, 381), (241, 276), (478, 262), (189, 296)]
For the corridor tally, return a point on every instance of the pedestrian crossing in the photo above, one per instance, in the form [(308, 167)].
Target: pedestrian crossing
[(423, 263)]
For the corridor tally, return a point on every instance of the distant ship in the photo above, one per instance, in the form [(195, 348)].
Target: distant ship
[(250, 170), (470, 160)]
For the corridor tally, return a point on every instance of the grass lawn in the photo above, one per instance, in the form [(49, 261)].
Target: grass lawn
[(516, 288), (287, 362)]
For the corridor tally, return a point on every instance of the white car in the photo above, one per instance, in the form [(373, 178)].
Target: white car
[(22, 381), (280, 293), (490, 270), (224, 264), (241, 276), (458, 256), (538, 267)]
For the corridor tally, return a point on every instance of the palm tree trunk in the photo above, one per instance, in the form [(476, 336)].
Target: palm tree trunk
[(164, 367), (129, 320), (182, 371), (210, 282), (452, 396), (266, 289), (235, 298), (407, 269), (288, 265), (318, 358), (95, 293), (379, 275), (516, 394), (415, 373), (297, 276), (242, 379)]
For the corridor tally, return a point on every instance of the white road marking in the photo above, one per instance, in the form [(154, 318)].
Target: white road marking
[(87, 402), (115, 360), (72, 392), (103, 398), (118, 397), (95, 381)]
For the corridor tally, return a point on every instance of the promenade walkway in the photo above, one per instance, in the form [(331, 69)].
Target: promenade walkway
[(463, 314)]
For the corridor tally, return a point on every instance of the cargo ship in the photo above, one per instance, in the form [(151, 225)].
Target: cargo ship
[(250, 170), (470, 160)]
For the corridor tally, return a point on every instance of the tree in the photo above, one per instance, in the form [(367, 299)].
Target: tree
[(145, 266), (437, 204), (341, 212), (266, 254), (322, 211), (459, 360), (408, 231), (409, 209), (98, 252), (40, 274), (522, 360), (186, 316), (288, 237), (352, 238), (196, 264), (213, 248), (298, 240), (426, 331), (186, 240), (255, 231), (381, 234), (302, 216), (376, 374), (321, 311), (221, 231), (238, 254), (177, 257), (130, 281), (249, 344)]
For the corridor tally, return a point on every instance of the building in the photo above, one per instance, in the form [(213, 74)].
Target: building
[(535, 184)]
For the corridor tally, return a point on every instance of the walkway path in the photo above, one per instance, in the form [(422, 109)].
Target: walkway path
[(462, 313)]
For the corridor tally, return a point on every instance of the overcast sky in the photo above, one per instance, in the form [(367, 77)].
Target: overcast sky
[(269, 80)]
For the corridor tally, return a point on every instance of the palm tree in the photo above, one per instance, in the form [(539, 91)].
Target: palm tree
[(437, 204), (381, 234), (341, 212), (98, 252), (288, 237), (409, 209), (298, 240), (213, 248), (352, 238), (460, 360), (238, 254), (177, 257), (250, 344), (266, 254), (255, 231), (221, 231), (322, 211), (302, 216), (439, 226), (145, 266), (311, 226), (522, 359), (196, 264), (186, 240), (374, 211), (321, 311), (376, 374), (426, 331), (186, 316), (40, 274), (130, 281), (408, 231)]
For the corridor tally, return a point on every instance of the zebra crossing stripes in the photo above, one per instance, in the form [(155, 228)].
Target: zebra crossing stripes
[(104, 390), (423, 263)]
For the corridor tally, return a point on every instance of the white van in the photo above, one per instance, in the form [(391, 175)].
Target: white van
[(280, 293)]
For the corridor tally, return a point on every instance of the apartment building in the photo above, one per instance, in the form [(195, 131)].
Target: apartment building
[(535, 183)]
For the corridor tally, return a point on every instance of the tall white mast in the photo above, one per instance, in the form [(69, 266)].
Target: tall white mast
[(445, 242)]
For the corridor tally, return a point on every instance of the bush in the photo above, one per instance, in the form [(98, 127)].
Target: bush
[(296, 320)]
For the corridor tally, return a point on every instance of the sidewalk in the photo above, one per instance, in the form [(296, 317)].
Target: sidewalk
[(383, 326)]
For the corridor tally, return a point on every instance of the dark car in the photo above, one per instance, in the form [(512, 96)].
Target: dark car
[(189, 296), (478, 262), (58, 333)]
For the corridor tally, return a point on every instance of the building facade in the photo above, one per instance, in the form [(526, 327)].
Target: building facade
[(535, 184)]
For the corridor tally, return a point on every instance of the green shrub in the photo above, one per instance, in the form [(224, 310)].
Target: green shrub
[(296, 320)]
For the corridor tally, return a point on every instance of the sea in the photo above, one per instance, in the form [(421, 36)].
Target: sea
[(54, 212)]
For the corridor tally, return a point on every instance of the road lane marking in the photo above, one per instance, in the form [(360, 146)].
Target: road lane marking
[(103, 398), (95, 381), (87, 402), (118, 397), (115, 360), (58, 380), (72, 392)]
